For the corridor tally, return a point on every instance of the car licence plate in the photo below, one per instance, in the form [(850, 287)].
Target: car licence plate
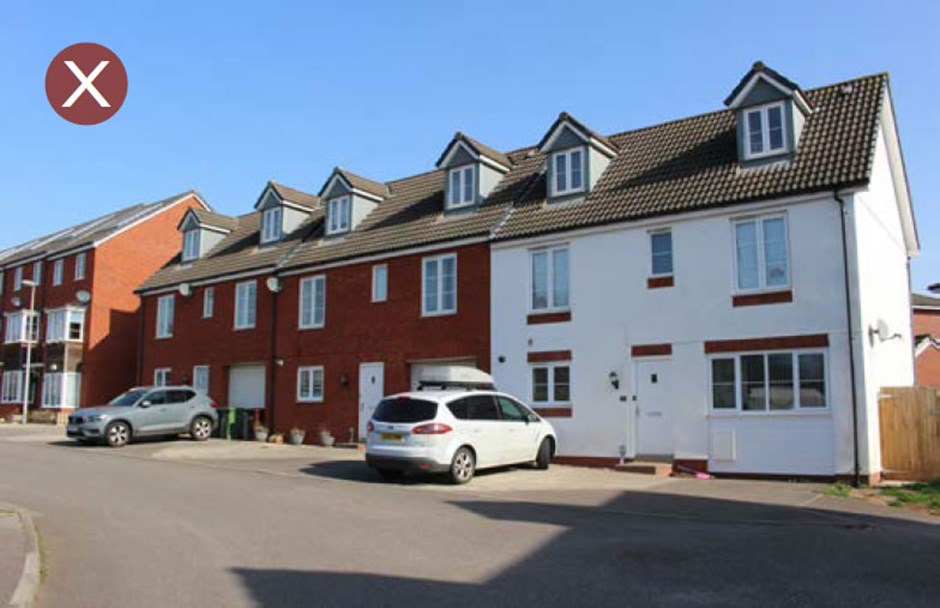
[(72, 428), (391, 436)]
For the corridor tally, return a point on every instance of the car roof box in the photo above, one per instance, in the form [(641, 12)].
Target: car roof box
[(454, 377)]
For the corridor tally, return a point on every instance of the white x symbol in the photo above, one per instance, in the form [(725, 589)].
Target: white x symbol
[(86, 85)]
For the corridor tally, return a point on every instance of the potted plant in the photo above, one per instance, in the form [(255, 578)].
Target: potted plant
[(326, 438), (261, 433), (296, 436), (276, 438)]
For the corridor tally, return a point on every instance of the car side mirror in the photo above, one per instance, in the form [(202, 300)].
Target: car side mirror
[(146, 403)]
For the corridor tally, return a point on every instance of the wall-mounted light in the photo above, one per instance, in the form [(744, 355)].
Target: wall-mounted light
[(279, 362), (614, 380), (54, 367)]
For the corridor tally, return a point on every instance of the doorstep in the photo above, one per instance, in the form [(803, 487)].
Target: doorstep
[(646, 467)]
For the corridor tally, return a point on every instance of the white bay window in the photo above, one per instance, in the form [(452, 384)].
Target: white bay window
[(12, 389), (63, 325), (61, 389), (22, 326)]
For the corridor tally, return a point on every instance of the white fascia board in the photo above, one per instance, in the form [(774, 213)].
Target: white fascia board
[(899, 176), (206, 281)]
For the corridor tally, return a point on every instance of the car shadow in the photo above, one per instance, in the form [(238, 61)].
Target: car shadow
[(359, 471), (74, 443)]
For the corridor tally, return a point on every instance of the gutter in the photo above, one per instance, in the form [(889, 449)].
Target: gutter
[(856, 473)]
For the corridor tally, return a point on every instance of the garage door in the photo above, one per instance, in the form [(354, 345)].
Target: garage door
[(417, 369), (246, 386)]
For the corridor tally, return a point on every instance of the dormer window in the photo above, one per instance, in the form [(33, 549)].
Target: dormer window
[(271, 225), (340, 215), (462, 191), (190, 245), (569, 172), (765, 130)]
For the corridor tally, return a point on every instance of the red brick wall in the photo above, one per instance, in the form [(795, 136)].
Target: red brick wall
[(393, 332), (213, 342), (926, 322), (112, 324), (928, 367)]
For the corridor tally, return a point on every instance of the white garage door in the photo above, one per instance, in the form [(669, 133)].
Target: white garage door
[(246, 386), (417, 369)]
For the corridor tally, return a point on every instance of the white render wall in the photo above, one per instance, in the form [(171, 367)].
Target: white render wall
[(612, 309), (883, 292)]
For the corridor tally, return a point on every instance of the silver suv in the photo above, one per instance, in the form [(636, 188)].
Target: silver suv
[(143, 411)]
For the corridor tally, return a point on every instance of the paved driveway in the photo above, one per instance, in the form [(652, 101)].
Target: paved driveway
[(162, 524)]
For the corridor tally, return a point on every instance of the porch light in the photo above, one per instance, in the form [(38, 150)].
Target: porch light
[(614, 380)]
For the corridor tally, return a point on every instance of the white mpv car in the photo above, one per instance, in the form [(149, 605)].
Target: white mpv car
[(453, 426)]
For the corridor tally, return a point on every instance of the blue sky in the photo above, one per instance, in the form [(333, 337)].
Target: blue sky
[(224, 96)]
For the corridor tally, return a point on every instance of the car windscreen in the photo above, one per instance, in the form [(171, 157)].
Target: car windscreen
[(129, 398), (405, 409)]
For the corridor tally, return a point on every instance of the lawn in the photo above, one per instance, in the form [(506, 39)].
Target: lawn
[(926, 494)]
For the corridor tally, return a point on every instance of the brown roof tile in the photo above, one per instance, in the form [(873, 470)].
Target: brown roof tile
[(295, 196), (215, 220)]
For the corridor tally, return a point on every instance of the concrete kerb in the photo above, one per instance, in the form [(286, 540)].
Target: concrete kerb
[(24, 596)]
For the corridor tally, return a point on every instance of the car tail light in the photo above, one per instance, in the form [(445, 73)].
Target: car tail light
[(214, 405), (434, 428), (370, 427)]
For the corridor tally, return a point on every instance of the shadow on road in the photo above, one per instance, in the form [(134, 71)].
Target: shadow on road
[(644, 549), (357, 470)]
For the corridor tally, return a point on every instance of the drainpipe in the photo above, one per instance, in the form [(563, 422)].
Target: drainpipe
[(272, 386), (857, 476), (141, 336)]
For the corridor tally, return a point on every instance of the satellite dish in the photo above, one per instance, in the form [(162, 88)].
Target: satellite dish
[(186, 290), (16, 301), (274, 284), (884, 332), (83, 296)]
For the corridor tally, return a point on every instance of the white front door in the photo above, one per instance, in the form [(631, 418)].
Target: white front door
[(654, 430), (371, 391)]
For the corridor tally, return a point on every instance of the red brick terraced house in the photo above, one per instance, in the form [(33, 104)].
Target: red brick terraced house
[(208, 314), (83, 335), (926, 315)]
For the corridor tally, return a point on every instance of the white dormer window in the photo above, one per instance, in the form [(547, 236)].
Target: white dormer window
[(271, 225), (568, 175), (340, 215), (765, 130), (462, 190), (190, 245)]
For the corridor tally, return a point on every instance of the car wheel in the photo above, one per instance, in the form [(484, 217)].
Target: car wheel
[(544, 457), (200, 429), (462, 466), (391, 474), (117, 435)]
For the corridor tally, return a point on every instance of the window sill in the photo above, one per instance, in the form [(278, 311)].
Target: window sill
[(554, 411), (538, 318), (309, 401), (431, 315), (660, 281), (309, 327), (243, 328), (804, 413), (762, 298), (163, 337)]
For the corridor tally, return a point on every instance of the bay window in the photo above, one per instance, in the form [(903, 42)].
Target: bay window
[(63, 325), (22, 326), (61, 389), (12, 390)]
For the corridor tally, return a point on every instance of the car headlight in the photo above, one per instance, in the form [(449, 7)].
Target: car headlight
[(96, 418)]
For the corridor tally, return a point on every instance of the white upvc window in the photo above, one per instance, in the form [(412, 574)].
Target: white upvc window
[(549, 286), (271, 225), (246, 304), (161, 376), (661, 252), (65, 325), (12, 391), (58, 269), (61, 389), (165, 306), (190, 245), (310, 384), (439, 285), (551, 383), (17, 278), (765, 132), (775, 381), (761, 253), (567, 172), (201, 378), (461, 190), (208, 302), (37, 272), (22, 326), (380, 283), (79, 266), (312, 302), (339, 211)]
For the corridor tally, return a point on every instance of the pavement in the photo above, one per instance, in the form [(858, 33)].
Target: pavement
[(19, 558), (244, 524)]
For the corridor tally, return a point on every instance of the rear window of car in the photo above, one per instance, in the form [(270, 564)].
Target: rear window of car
[(405, 409)]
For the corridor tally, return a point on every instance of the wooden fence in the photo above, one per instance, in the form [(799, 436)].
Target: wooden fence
[(910, 432)]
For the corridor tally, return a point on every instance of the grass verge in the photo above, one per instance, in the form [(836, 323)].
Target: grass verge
[(924, 494)]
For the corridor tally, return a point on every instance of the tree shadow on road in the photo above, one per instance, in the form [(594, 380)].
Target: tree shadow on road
[(647, 549)]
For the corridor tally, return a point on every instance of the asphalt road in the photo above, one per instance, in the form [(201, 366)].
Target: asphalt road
[(119, 528)]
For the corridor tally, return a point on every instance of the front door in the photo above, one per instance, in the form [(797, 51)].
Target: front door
[(654, 430), (371, 391)]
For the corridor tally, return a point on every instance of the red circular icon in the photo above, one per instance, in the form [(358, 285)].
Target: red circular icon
[(86, 83)]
